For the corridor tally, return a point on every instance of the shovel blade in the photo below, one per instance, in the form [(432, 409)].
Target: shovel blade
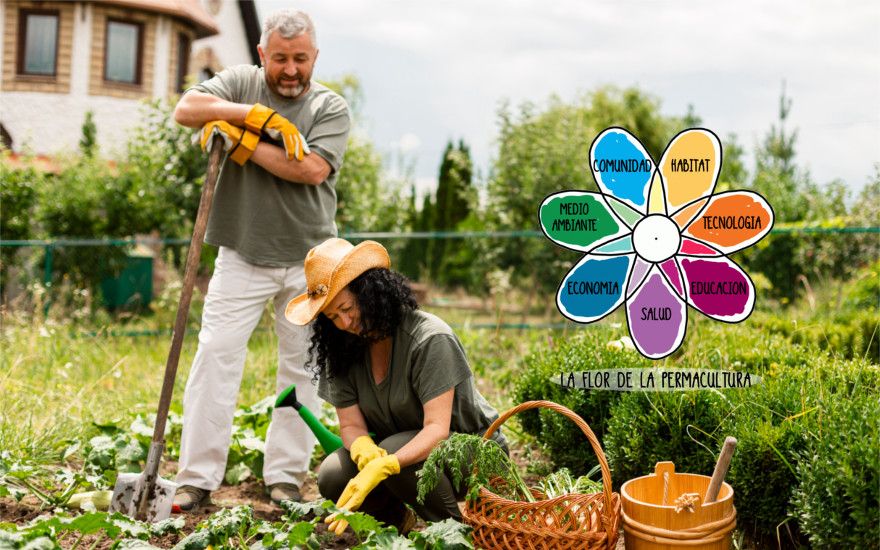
[(127, 495)]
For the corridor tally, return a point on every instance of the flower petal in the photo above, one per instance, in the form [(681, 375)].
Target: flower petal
[(657, 196), (657, 317), (673, 275), (718, 288), (690, 166), (637, 276), (687, 213), (623, 245), (594, 287), (693, 247), (622, 167), (579, 220), (626, 214), (732, 221)]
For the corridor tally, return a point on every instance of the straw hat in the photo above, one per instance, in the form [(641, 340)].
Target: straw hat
[(329, 267)]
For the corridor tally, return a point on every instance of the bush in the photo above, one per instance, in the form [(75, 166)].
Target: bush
[(849, 335), (17, 197), (863, 291), (774, 424), (650, 427), (838, 496), (561, 438)]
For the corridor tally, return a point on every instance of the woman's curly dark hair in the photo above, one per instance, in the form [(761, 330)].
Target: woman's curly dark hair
[(383, 297)]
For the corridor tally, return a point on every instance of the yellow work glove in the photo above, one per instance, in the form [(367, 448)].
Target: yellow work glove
[(238, 142), (263, 119), (363, 450), (360, 486)]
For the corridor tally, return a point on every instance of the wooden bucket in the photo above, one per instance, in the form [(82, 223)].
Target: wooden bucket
[(664, 511)]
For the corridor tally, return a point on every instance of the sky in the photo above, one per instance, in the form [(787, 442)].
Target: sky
[(434, 71)]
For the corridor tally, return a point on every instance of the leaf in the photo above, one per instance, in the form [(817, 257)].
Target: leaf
[(133, 544), (101, 452), (296, 510), (386, 540), (198, 540), (363, 524), (238, 473), (299, 534), (41, 543), (131, 528), (87, 524), (166, 526), (447, 535), (71, 450)]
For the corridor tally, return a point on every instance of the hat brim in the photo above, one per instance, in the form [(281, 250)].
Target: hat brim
[(367, 255)]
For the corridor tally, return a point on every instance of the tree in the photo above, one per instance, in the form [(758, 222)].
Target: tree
[(452, 204), (88, 141), (544, 151)]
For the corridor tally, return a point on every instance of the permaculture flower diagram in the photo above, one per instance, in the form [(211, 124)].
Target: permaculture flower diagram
[(657, 238)]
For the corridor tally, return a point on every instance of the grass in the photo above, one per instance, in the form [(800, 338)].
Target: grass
[(63, 374), (57, 383)]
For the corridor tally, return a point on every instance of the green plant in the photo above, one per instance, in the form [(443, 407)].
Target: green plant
[(477, 462), (50, 532), (650, 427), (88, 141), (838, 494), (561, 483), (18, 195), (774, 424), (560, 438)]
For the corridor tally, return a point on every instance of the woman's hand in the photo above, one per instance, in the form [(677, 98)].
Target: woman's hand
[(360, 486), (364, 450)]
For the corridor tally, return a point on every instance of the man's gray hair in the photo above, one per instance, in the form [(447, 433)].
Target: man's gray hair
[(290, 24)]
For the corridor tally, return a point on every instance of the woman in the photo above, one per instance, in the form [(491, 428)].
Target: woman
[(389, 369)]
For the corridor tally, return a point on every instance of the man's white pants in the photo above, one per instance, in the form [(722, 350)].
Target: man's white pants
[(235, 302)]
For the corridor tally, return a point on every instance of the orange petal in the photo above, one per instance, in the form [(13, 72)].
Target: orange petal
[(732, 221), (690, 166)]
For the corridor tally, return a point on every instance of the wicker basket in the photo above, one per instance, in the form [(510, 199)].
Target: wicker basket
[(565, 522)]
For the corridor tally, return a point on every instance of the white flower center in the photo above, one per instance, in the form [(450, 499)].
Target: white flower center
[(656, 238)]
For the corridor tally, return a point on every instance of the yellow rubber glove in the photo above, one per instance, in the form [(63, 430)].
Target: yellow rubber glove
[(364, 449), (360, 486), (240, 143), (263, 119)]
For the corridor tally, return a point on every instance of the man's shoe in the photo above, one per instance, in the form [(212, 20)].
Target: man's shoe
[(284, 491), (189, 498)]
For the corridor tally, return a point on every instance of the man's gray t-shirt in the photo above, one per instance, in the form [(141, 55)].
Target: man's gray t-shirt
[(270, 221), (427, 360)]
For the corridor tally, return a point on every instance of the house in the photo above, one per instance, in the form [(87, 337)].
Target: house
[(60, 59)]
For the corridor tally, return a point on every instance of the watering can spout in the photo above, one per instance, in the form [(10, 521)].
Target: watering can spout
[(329, 441)]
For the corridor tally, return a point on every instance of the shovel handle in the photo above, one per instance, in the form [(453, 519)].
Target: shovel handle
[(157, 445), (189, 279), (721, 468)]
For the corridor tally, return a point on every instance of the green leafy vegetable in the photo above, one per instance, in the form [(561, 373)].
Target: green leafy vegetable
[(478, 462)]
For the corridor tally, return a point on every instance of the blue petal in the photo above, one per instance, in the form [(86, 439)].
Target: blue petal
[(622, 167), (594, 287)]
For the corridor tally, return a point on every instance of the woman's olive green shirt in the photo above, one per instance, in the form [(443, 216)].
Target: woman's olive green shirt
[(427, 359)]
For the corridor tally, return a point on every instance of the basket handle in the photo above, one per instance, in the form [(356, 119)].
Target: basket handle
[(594, 442)]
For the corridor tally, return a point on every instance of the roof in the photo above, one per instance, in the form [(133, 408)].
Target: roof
[(188, 10)]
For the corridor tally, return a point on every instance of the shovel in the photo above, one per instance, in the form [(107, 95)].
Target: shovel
[(146, 496)]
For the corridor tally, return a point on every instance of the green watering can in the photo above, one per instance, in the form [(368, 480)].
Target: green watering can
[(329, 441)]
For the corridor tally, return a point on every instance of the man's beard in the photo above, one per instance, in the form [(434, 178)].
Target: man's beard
[(287, 91)]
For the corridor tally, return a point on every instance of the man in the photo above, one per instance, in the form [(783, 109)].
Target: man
[(286, 136)]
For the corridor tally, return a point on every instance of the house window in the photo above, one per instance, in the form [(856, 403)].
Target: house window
[(123, 52), (38, 43), (183, 48)]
